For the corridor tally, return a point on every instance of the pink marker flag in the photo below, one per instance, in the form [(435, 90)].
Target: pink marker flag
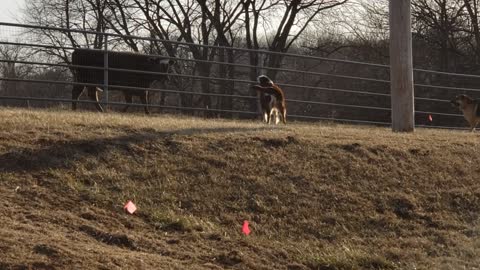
[(245, 228), (130, 207), (430, 118)]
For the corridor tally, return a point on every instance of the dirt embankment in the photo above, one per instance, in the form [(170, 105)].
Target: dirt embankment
[(317, 196)]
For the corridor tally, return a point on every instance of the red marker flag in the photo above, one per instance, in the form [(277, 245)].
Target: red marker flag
[(130, 207), (245, 228), (430, 118)]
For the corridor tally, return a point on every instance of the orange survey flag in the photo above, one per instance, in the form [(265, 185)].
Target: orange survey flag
[(245, 228), (130, 207)]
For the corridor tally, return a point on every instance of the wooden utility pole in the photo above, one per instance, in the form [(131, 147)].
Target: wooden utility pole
[(401, 67)]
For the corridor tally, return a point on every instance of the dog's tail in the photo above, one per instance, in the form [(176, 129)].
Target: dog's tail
[(268, 90), (264, 80)]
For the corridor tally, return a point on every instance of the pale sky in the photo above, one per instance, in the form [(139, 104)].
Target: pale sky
[(10, 10)]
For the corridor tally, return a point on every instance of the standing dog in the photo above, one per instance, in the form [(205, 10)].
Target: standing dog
[(470, 108), (272, 100)]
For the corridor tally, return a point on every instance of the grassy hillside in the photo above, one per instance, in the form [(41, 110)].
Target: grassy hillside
[(318, 196)]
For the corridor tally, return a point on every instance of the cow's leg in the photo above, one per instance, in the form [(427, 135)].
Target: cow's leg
[(76, 93), (93, 94), (144, 99), (128, 100)]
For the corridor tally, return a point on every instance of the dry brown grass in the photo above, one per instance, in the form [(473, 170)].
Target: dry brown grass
[(318, 196)]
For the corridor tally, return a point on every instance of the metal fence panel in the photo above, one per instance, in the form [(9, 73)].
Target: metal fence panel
[(314, 86)]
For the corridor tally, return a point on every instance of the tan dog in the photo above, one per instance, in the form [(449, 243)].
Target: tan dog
[(470, 109), (272, 100)]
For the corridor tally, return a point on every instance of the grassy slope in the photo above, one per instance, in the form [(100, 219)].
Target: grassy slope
[(317, 196)]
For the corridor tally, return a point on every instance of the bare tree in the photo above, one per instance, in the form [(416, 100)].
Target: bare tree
[(297, 15), (74, 15), (439, 22), (224, 15), (201, 23), (184, 21), (9, 67), (473, 27)]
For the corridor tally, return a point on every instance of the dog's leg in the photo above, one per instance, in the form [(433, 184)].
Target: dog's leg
[(277, 117), (269, 116), (271, 108), (473, 126), (283, 111), (265, 116)]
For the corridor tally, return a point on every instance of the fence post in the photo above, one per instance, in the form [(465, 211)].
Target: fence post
[(401, 66), (105, 70)]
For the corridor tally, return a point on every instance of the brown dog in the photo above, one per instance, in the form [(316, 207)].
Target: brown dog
[(470, 109), (272, 100)]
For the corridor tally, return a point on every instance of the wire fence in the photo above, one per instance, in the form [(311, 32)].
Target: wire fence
[(39, 71)]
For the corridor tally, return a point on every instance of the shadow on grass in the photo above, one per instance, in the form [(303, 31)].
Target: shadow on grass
[(62, 154)]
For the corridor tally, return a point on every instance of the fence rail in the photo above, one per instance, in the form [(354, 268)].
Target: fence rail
[(313, 91), (246, 81)]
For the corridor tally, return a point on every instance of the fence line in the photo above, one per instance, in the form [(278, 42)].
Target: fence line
[(216, 110), (192, 109), (437, 113), (266, 68), (209, 94), (260, 51), (448, 87), (224, 79), (215, 62), (248, 81), (120, 87)]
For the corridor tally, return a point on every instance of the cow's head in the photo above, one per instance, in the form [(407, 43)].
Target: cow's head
[(161, 65)]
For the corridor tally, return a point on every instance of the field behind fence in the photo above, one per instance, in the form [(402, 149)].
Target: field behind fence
[(36, 72)]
